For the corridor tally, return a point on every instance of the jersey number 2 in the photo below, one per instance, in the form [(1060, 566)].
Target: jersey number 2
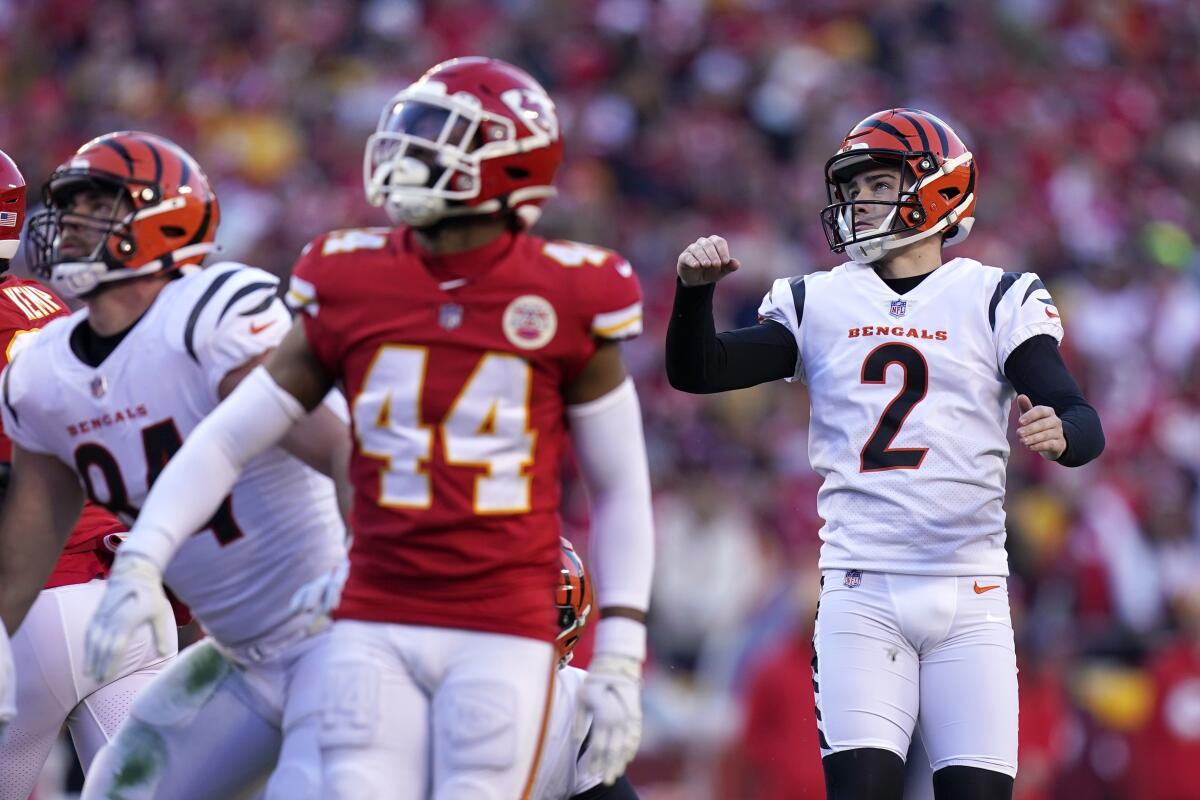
[(877, 454), (487, 426), (160, 441)]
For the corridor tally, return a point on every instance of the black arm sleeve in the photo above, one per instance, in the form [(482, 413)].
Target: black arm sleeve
[(1036, 369), (621, 790), (701, 361)]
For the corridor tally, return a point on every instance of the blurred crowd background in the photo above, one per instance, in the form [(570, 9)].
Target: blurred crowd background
[(685, 118)]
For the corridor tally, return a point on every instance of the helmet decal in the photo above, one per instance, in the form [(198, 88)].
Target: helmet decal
[(472, 136)]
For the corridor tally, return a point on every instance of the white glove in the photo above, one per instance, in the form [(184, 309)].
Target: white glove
[(134, 597), (8, 680), (611, 695), (320, 596)]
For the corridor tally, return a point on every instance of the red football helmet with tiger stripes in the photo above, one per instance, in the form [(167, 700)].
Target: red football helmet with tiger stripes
[(166, 218), (937, 188), (573, 599)]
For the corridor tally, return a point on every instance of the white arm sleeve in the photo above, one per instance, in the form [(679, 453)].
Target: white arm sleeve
[(611, 451), (255, 416)]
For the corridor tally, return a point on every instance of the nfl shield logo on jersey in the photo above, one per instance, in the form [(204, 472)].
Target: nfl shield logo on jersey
[(898, 308), (99, 386), (450, 316), (853, 578)]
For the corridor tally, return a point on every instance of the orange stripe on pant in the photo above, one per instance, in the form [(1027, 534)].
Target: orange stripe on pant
[(537, 753)]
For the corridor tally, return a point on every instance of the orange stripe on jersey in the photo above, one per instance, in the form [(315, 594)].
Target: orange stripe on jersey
[(527, 793)]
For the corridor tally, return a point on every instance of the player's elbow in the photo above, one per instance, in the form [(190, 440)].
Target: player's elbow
[(687, 378)]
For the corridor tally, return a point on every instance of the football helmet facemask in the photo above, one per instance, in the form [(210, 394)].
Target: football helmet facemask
[(472, 136), (936, 194)]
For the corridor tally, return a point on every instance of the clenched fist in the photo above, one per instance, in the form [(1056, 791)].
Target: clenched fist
[(1040, 429), (705, 260)]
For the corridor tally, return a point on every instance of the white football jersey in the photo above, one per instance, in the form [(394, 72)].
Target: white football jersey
[(118, 424), (910, 409), (559, 775)]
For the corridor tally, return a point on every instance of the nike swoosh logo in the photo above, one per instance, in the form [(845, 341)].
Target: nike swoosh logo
[(1051, 314), (255, 329), (981, 589)]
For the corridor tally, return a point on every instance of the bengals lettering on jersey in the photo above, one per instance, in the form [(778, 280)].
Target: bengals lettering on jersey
[(456, 398)]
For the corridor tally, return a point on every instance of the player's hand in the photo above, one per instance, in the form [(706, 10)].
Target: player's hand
[(8, 681), (1040, 429), (705, 260), (134, 597), (611, 694), (319, 597)]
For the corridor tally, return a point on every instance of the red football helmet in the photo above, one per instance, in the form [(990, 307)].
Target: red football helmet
[(472, 136), (937, 183), (573, 600), (166, 218), (12, 209)]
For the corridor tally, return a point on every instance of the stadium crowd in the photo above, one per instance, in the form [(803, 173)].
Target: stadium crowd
[(685, 118)]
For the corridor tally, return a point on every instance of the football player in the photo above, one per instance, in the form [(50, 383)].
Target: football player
[(51, 686), (104, 398), (564, 773), (912, 364), (469, 348)]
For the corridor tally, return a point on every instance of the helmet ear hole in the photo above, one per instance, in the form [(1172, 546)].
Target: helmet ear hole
[(516, 173), (949, 192), (172, 231)]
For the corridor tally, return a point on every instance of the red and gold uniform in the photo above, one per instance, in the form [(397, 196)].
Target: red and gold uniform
[(456, 390)]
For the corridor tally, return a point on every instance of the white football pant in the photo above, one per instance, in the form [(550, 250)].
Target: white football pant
[(414, 712), (894, 651), (52, 688), (223, 723)]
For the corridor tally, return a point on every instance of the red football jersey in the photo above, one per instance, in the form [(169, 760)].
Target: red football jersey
[(25, 306), (456, 389)]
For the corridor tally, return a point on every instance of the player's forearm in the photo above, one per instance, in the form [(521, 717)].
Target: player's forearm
[(1036, 369), (701, 361), (20, 583), (610, 448), (40, 509), (1084, 435), (191, 487)]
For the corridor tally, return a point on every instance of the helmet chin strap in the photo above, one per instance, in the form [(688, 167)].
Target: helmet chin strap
[(421, 212), (78, 278), (872, 249)]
